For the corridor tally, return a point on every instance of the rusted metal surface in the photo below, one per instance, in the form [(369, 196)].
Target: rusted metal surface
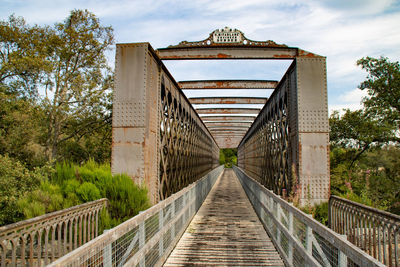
[(158, 138), (43, 239), (227, 36), (187, 149), (287, 146), (374, 231), (228, 84), (228, 100), (228, 118), (231, 52), (228, 127), (227, 124), (237, 46), (228, 110)]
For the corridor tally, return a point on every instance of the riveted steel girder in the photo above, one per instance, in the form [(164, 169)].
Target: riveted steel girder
[(228, 100), (232, 52), (229, 118), (227, 84), (228, 110), (227, 124)]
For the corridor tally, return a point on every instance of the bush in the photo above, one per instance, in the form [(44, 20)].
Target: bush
[(321, 213), (88, 192), (47, 198), (15, 180), (26, 194)]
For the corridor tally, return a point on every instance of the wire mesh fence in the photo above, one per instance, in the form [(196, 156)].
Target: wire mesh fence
[(301, 240), (148, 238)]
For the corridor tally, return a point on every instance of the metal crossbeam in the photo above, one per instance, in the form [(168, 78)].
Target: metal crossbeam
[(227, 124), (247, 118), (228, 100), (227, 84), (228, 110), (231, 52)]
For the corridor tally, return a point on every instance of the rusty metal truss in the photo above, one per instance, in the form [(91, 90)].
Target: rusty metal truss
[(227, 84), (264, 151), (187, 150), (162, 141)]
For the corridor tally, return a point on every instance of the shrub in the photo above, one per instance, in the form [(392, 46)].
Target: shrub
[(88, 192), (47, 198), (15, 180)]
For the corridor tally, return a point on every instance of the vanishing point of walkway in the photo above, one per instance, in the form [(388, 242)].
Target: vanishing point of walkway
[(225, 231)]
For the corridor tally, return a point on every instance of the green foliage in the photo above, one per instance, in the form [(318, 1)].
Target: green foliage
[(47, 198), (365, 165), (72, 120), (228, 157), (383, 87), (126, 199), (88, 192), (321, 213), (15, 180)]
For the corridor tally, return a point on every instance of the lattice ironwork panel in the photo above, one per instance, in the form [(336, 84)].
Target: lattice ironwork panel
[(187, 150), (265, 151)]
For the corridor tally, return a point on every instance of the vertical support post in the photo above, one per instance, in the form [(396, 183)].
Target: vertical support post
[(311, 130), (309, 238), (342, 258), (278, 217), (160, 227), (290, 250), (107, 257), (142, 240), (135, 121), (173, 216)]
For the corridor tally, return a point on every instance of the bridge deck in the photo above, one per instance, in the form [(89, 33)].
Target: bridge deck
[(225, 231)]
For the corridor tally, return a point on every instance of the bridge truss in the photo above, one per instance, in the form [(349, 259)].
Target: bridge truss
[(162, 141)]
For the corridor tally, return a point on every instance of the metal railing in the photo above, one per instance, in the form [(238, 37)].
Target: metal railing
[(374, 231), (300, 240), (41, 240), (148, 238)]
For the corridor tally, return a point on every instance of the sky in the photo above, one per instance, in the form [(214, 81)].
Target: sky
[(342, 30)]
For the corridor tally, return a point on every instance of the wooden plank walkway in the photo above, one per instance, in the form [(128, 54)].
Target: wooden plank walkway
[(225, 232)]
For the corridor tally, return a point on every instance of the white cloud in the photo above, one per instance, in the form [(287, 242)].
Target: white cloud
[(349, 100), (341, 30)]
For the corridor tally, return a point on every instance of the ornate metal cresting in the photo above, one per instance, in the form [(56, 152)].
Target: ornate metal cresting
[(300, 240), (41, 240), (227, 36), (148, 238), (374, 231), (158, 138)]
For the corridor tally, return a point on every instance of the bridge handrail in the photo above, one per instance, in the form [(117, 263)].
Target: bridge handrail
[(149, 237), (375, 231), (300, 239), (74, 226)]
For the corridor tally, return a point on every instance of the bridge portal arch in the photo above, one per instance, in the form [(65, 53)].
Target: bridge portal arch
[(160, 140)]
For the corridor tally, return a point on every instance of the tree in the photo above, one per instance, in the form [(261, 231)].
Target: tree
[(22, 56), (78, 84), (383, 87), (359, 130)]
